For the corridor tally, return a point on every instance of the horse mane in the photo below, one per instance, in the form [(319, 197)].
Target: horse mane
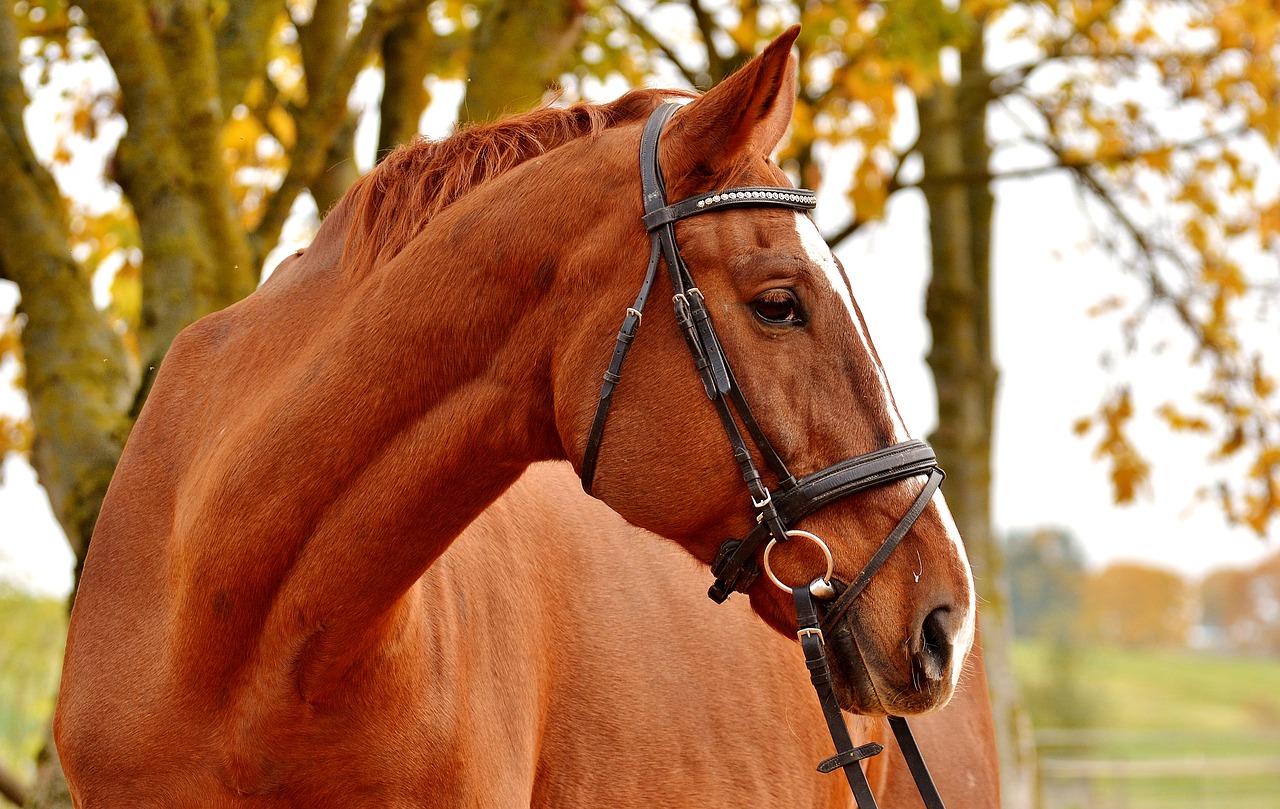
[(392, 203)]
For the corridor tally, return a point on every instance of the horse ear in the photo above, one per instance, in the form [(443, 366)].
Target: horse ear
[(746, 113)]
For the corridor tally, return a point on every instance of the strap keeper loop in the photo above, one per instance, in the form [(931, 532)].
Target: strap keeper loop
[(847, 757)]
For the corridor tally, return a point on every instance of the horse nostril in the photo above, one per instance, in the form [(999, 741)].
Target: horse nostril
[(935, 644)]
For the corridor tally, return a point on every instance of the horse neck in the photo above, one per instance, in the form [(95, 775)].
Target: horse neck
[(395, 423)]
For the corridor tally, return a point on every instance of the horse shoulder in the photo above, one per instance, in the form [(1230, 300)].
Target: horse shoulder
[(652, 694)]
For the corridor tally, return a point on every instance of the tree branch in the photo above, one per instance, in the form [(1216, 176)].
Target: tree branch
[(78, 381), (321, 41), (153, 172), (1158, 288), (407, 54), (652, 42), (892, 186), (324, 113), (187, 45), (717, 67), (10, 787), (520, 48), (242, 42)]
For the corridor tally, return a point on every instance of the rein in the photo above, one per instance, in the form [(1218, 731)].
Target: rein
[(736, 566)]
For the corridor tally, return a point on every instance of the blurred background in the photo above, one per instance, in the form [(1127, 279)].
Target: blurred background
[(1060, 219)]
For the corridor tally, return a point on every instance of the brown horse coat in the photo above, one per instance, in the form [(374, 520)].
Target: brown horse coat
[(269, 616)]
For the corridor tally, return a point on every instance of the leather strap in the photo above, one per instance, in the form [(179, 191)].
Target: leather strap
[(848, 757), (887, 547), (746, 196), (690, 309), (915, 763), (613, 374), (736, 566)]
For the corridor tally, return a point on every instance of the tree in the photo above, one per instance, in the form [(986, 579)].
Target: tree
[(1244, 606), (232, 112), (1133, 605), (1045, 569)]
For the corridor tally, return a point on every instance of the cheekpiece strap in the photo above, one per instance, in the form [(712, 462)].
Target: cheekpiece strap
[(690, 309)]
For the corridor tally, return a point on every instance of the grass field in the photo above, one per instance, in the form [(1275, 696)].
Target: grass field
[(1153, 730), (1149, 690), (1117, 712)]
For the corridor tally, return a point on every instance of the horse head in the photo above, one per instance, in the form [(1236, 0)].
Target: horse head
[(797, 346)]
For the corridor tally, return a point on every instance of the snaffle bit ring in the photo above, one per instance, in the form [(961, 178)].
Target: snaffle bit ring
[(826, 578)]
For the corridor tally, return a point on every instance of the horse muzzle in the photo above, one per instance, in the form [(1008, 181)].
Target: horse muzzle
[(916, 674)]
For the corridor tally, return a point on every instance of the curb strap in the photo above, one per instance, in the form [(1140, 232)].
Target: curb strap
[(848, 757)]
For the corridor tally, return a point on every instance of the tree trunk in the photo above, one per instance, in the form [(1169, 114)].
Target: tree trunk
[(519, 49), (953, 145), (51, 790), (407, 55)]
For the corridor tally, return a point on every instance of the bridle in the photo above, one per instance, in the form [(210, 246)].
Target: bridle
[(736, 566)]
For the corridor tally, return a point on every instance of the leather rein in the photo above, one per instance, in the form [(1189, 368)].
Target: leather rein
[(736, 566)]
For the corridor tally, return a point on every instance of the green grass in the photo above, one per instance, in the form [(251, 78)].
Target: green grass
[(32, 632), (1151, 690), (1153, 729)]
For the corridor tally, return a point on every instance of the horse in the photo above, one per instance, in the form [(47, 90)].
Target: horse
[(254, 628), (689, 738)]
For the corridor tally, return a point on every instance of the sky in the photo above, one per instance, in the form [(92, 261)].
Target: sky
[(1045, 279)]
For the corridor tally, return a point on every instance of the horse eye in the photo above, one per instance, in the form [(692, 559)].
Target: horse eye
[(778, 307)]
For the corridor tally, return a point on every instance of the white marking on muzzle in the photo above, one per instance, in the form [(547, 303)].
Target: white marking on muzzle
[(815, 247), (963, 639), (817, 251)]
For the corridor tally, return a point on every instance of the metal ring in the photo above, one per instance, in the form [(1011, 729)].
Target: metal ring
[(795, 533)]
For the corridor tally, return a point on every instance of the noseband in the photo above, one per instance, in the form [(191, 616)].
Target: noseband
[(736, 566)]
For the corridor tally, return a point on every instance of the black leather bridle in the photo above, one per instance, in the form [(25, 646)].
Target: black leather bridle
[(736, 565)]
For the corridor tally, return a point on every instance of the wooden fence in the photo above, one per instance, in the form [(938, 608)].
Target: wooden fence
[(1124, 769)]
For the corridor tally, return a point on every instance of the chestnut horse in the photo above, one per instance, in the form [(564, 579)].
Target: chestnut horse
[(254, 626)]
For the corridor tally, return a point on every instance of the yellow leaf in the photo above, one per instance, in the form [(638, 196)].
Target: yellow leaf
[(282, 126), (1182, 423), (1233, 442)]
